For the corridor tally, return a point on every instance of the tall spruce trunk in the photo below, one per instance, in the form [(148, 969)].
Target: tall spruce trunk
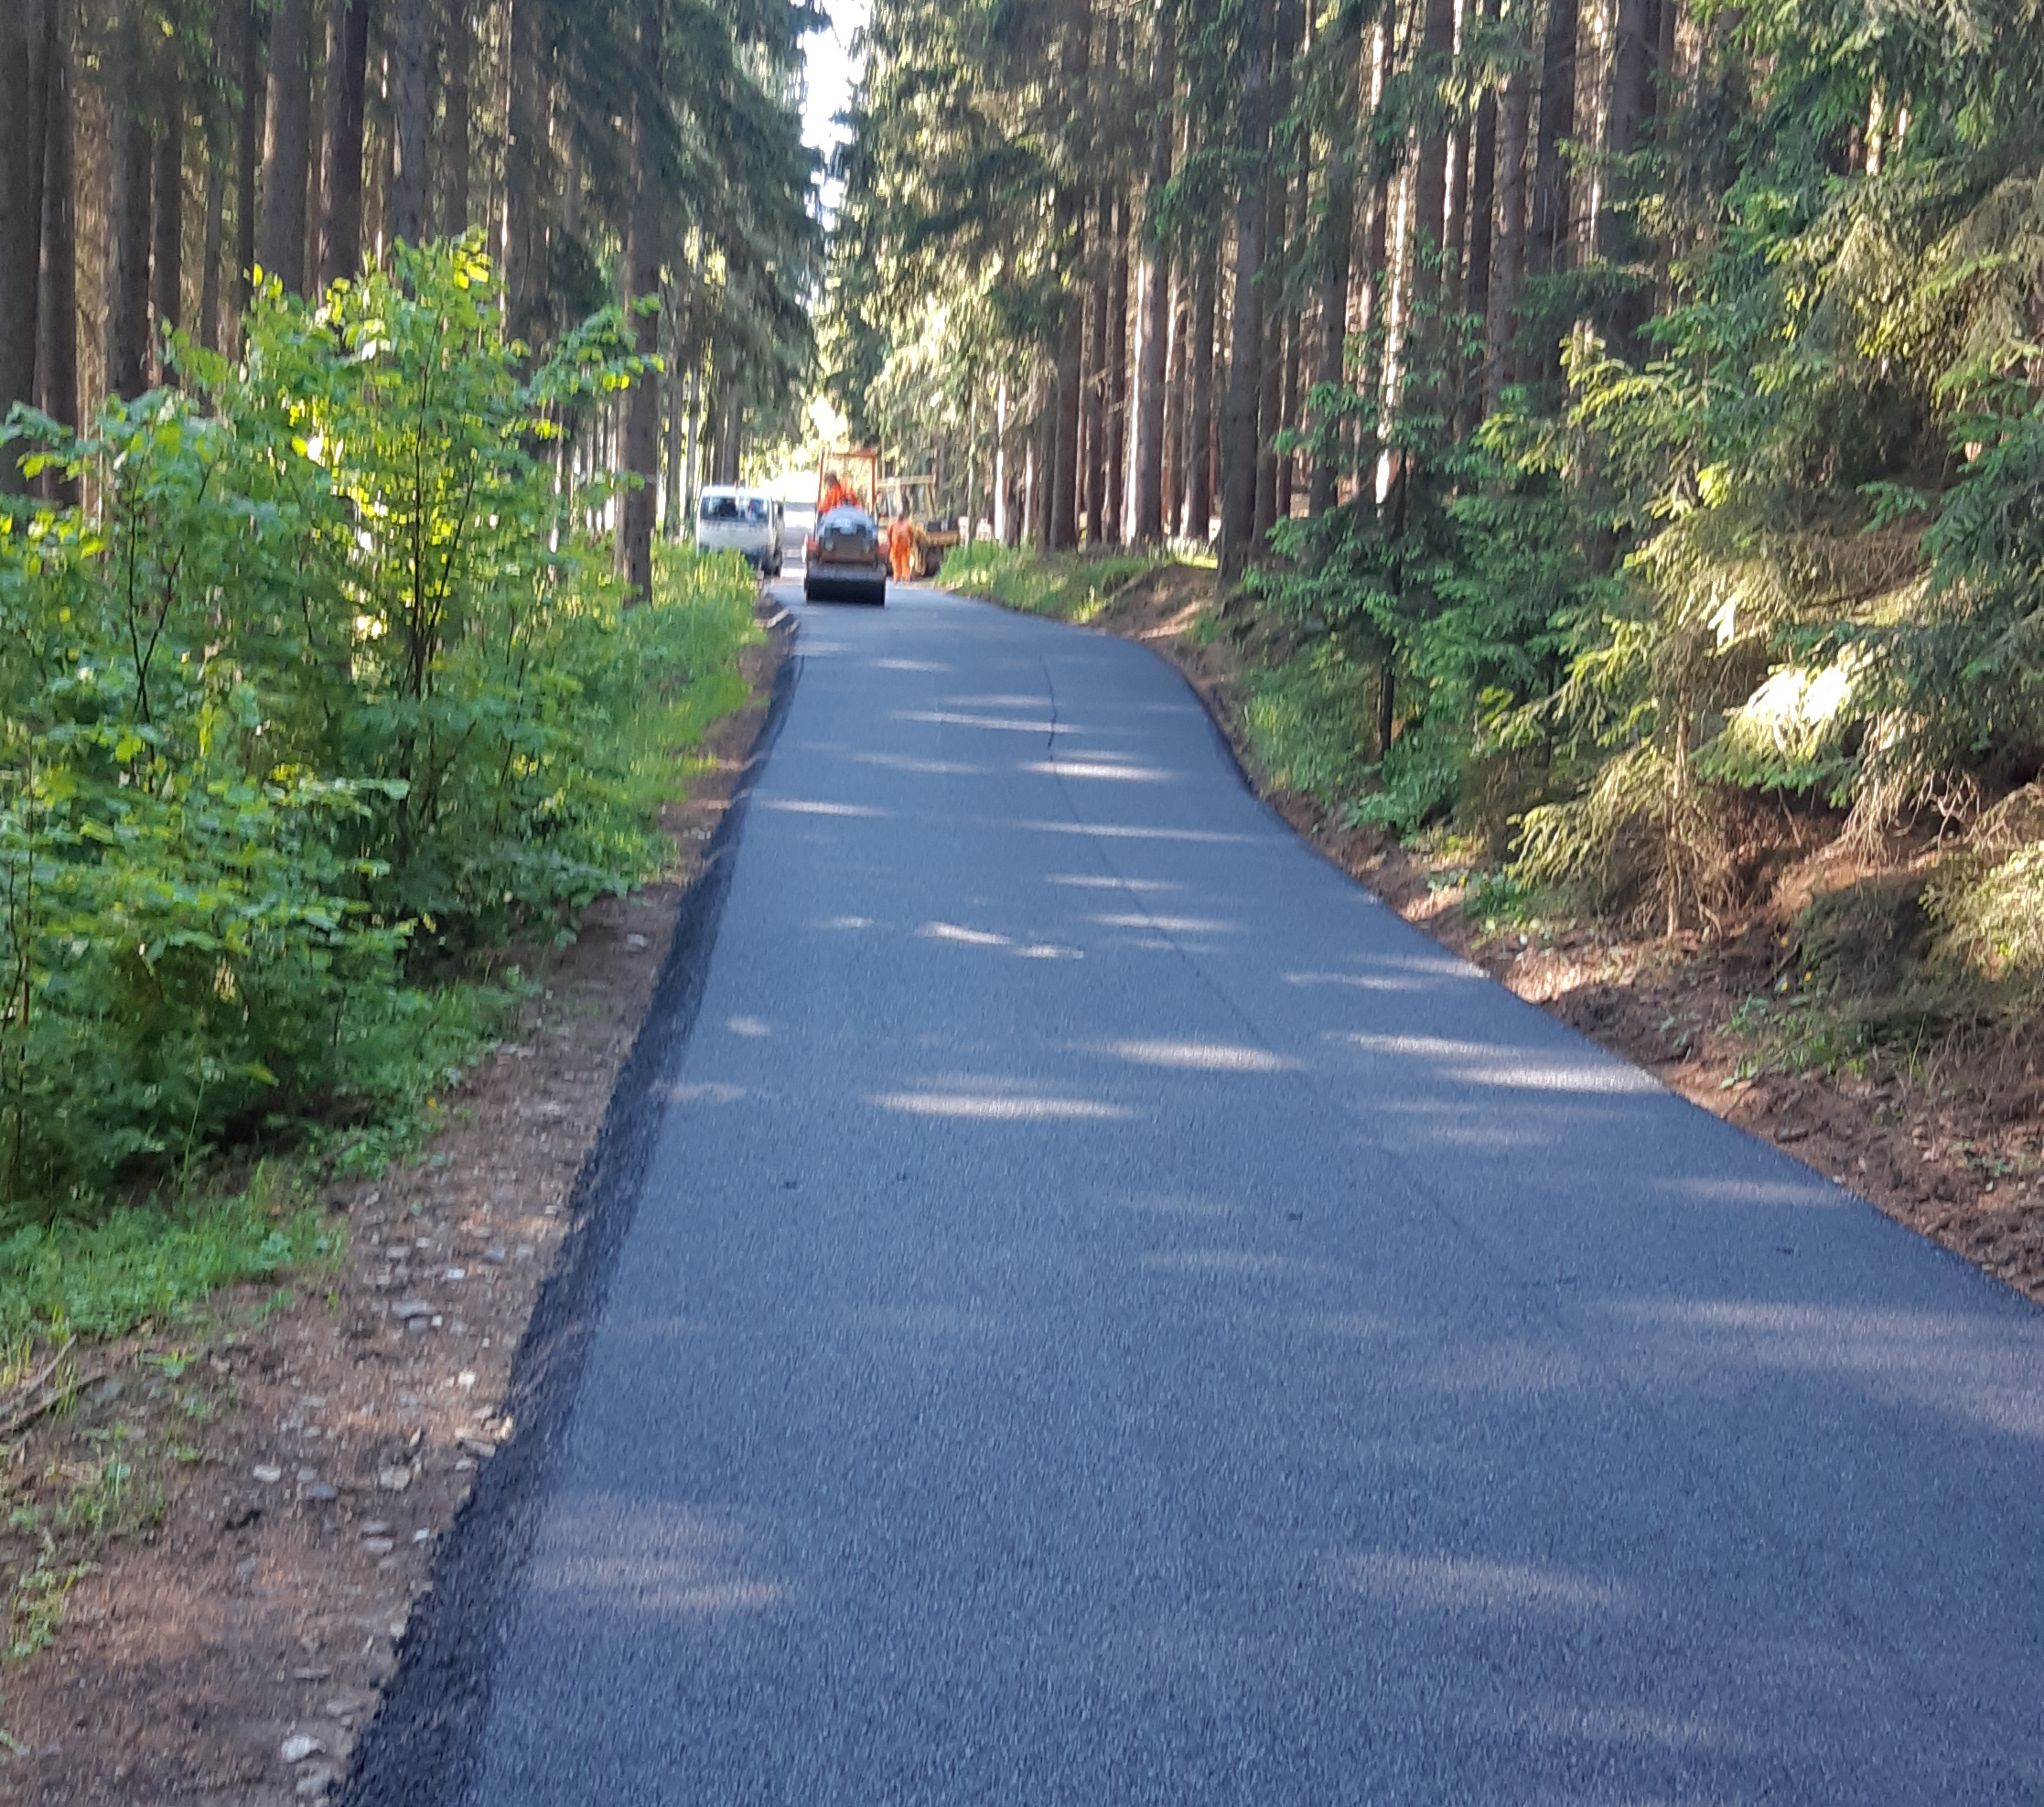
[(341, 231), (1117, 372), (1501, 318), (454, 135), (1096, 389), (25, 93), (129, 147), (525, 163), (1428, 256), (219, 134), (1238, 434), (1338, 254), (57, 306), (406, 207), (1071, 342), (247, 148), (1175, 403), (1547, 236), (1199, 411), (286, 148), (1635, 41), (643, 252), (1273, 281), (167, 264), (1475, 288), (1153, 303)]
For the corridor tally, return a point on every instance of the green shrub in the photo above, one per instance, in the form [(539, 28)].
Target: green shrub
[(324, 690)]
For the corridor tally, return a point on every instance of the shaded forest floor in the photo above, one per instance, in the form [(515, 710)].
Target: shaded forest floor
[(1943, 1129), (265, 1487)]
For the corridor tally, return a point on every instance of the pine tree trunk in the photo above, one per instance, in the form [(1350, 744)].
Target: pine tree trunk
[(1547, 236), (1175, 404), (286, 148), (406, 216), (57, 307), (1635, 36), (1427, 257), (1500, 324), (1476, 291), (168, 275), (1096, 389), (454, 137), (217, 136), (340, 231), (1071, 344), (643, 252), (1238, 434), (246, 150), (129, 147), (1153, 303), (25, 95), (1199, 409), (1117, 373), (1338, 254), (524, 161)]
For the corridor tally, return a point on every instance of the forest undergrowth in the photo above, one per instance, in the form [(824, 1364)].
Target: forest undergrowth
[(319, 705)]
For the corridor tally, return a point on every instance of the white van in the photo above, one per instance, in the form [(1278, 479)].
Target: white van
[(728, 519)]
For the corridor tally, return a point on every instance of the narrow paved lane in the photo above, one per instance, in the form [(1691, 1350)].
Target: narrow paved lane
[(1116, 1316)]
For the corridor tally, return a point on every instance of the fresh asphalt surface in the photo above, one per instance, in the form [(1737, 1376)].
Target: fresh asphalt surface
[(1115, 1316)]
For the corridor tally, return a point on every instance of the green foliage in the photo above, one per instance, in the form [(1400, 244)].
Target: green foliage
[(325, 691), (1069, 589)]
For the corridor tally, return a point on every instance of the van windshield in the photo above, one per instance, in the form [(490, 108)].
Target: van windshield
[(721, 508)]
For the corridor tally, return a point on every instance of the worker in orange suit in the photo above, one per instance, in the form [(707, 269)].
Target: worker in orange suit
[(837, 493), (901, 548)]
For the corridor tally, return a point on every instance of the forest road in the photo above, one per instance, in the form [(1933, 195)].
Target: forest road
[(1115, 1315)]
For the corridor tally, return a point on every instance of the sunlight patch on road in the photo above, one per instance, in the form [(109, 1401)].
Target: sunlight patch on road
[(1089, 768), (907, 665), (999, 1107), (750, 1027), (1358, 981), (1088, 884), (1169, 925), (951, 931), (810, 806), (1202, 1057), (1481, 1064), (1470, 1583), (949, 718), (901, 762), (1118, 832), (1235, 1265)]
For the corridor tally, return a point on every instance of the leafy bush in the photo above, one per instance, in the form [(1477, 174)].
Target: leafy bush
[(324, 690)]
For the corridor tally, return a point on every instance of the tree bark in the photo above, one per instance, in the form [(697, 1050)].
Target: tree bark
[(1153, 301), (286, 148), (25, 95), (1071, 345), (57, 306), (127, 269), (1176, 378), (524, 162), (340, 231), (643, 253), (168, 275), (1636, 33), (1096, 387), (1475, 290), (1428, 253), (1337, 257), (1238, 437), (406, 218), (1273, 282), (1500, 324), (1117, 373), (246, 149), (1547, 237), (453, 138), (215, 221), (1199, 411)]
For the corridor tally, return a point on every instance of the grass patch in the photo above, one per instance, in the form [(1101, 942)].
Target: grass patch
[(1067, 587)]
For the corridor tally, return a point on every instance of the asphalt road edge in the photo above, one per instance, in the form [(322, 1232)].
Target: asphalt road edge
[(421, 1744)]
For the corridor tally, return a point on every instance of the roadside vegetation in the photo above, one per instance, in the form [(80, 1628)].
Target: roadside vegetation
[(1619, 427)]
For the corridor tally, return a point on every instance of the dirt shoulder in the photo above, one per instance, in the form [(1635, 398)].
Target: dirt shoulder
[(1948, 1139), (292, 1474)]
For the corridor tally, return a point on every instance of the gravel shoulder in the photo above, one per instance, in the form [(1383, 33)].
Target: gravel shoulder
[(296, 1472)]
